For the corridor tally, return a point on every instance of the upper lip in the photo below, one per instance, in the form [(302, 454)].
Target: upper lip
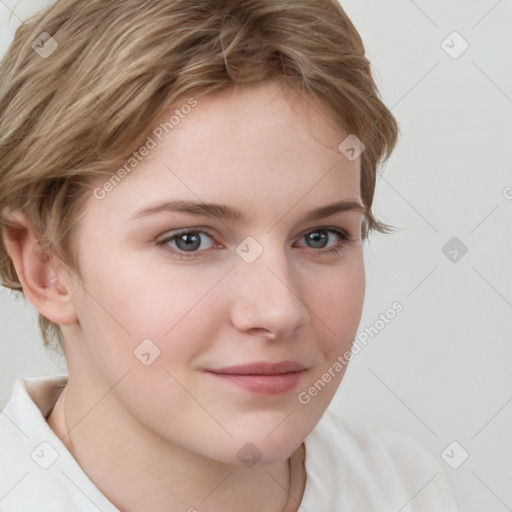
[(261, 368)]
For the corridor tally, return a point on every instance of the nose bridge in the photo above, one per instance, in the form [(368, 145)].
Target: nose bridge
[(269, 294)]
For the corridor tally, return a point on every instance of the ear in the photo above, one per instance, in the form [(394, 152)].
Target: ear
[(45, 281)]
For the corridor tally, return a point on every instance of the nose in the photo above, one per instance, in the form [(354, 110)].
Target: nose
[(268, 299)]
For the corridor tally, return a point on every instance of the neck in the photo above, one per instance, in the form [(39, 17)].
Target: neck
[(160, 476)]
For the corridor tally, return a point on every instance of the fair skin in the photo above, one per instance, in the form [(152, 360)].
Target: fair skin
[(165, 437)]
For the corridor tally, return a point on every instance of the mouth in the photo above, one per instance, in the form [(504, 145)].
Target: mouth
[(264, 377)]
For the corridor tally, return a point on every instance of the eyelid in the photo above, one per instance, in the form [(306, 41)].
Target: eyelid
[(176, 232), (170, 235), (341, 231)]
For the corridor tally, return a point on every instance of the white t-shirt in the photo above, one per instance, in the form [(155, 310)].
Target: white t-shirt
[(350, 467)]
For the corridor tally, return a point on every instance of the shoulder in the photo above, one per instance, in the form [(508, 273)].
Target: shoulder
[(37, 472), (376, 467)]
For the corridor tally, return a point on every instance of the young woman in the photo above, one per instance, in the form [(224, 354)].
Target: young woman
[(186, 187)]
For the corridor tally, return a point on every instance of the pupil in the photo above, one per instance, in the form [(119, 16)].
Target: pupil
[(189, 241), (318, 237)]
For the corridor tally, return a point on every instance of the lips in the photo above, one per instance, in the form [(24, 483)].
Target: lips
[(263, 377), (262, 368)]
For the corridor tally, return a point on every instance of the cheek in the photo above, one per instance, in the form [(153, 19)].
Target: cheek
[(337, 302), (337, 313), (127, 301)]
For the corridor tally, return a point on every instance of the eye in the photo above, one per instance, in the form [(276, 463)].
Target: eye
[(319, 238), (189, 243), (186, 241)]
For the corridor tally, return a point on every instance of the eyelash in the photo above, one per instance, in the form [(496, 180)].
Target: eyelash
[(194, 254)]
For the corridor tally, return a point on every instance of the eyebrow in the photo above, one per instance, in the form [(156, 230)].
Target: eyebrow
[(224, 212)]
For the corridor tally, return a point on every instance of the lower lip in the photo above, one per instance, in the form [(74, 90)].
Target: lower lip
[(264, 384)]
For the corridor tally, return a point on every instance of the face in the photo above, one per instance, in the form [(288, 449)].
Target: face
[(219, 323)]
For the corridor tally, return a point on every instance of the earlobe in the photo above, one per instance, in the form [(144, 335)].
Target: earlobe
[(43, 278)]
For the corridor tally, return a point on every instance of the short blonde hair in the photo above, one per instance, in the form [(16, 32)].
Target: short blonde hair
[(81, 111)]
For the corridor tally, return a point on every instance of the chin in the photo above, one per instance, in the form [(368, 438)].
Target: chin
[(270, 441)]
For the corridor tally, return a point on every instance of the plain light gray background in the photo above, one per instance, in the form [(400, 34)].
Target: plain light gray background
[(439, 370)]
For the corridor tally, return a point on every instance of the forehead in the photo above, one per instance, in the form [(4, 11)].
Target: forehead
[(255, 143), (245, 118)]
